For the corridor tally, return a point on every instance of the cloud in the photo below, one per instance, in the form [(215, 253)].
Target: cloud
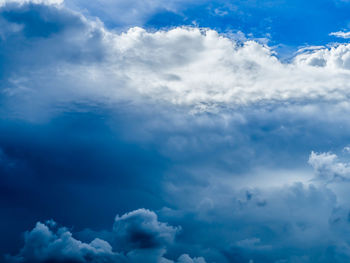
[(187, 259), (141, 229), (341, 34), (261, 221), (138, 230), (242, 230), (269, 225), (216, 129), (44, 243), (130, 13), (21, 2), (328, 167), (71, 59)]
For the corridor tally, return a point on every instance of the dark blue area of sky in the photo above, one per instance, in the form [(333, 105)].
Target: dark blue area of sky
[(290, 23), (72, 166)]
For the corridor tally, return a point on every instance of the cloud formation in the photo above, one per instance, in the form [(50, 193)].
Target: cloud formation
[(139, 232), (141, 229), (213, 133), (328, 167), (45, 244), (21, 2), (71, 59), (341, 34), (271, 225)]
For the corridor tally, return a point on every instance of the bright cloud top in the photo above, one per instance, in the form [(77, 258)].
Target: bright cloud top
[(136, 236), (181, 66), (212, 132), (46, 2)]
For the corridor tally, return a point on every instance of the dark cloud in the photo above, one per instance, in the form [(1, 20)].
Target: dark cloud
[(141, 229), (92, 125), (140, 232), (40, 21)]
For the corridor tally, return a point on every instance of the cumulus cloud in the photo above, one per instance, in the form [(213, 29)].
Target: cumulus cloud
[(79, 60), (215, 107), (279, 230), (141, 237), (187, 259), (328, 167), (44, 243), (141, 229), (276, 224)]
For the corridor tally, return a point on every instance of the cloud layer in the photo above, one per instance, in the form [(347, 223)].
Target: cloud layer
[(140, 233), (239, 153), (182, 66)]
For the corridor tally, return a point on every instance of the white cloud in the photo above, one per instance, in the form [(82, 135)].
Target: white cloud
[(182, 66), (199, 70), (191, 67), (46, 2), (328, 167), (341, 34)]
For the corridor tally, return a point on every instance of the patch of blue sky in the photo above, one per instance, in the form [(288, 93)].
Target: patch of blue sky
[(284, 22), (287, 25)]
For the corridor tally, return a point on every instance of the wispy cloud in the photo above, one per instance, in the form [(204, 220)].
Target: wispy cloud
[(341, 34)]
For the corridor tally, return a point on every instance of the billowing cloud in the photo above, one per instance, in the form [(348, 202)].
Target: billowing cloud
[(182, 66), (139, 230), (271, 225), (213, 133), (187, 259), (44, 243), (329, 167)]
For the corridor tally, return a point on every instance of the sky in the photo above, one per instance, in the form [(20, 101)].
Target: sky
[(198, 131)]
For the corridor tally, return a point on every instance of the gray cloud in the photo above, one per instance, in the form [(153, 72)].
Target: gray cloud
[(141, 229), (139, 234), (44, 243), (236, 123)]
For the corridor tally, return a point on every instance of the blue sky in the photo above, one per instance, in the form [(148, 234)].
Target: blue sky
[(178, 131), (289, 24)]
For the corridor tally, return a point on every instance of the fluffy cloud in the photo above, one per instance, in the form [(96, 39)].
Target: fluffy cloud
[(44, 243), (139, 232), (271, 225), (187, 259), (217, 129), (328, 167), (141, 229), (181, 66)]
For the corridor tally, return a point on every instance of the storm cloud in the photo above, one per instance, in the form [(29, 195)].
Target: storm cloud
[(235, 154), (139, 232)]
